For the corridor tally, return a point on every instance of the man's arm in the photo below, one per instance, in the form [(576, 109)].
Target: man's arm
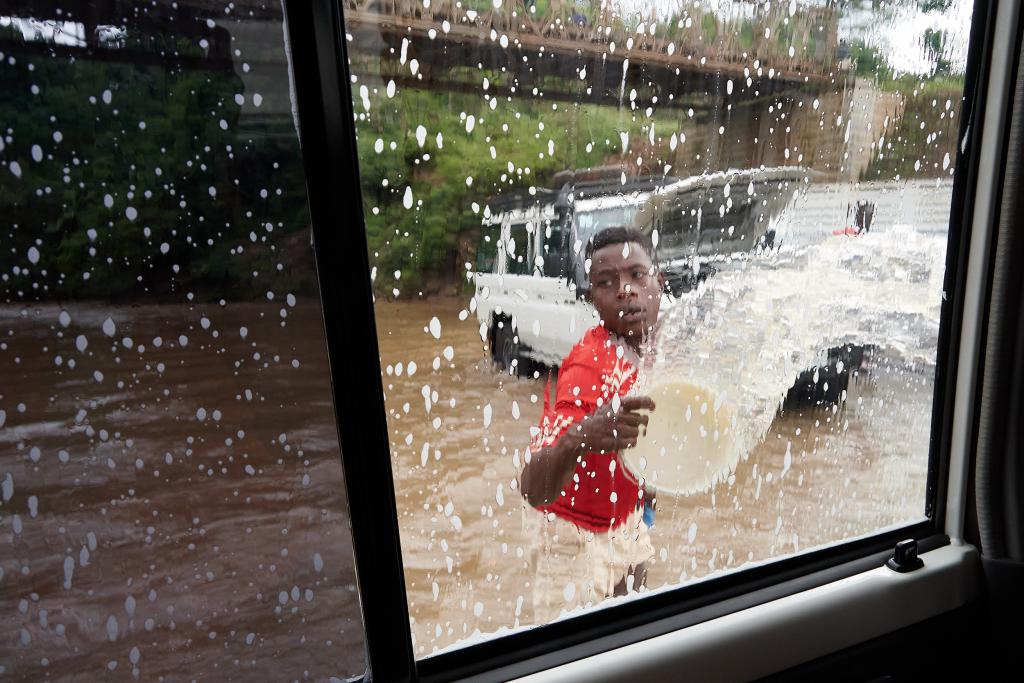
[(606, 430), (548, 471)]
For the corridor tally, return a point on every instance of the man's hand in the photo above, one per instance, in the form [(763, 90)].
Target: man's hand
[(609, 429), (613, 427)]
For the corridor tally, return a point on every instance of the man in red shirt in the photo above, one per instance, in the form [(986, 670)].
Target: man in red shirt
[(587, 515)]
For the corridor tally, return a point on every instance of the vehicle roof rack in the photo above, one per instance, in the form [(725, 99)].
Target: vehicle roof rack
[(607, 180), (520, 199), (603, 187), (676, 184)]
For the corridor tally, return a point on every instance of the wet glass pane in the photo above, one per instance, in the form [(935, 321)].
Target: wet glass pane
[(172, 495), (673, 270)]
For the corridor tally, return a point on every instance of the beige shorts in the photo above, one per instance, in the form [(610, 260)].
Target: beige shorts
[(575, 567)]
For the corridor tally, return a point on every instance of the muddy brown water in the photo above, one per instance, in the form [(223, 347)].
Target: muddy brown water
[(181, 515), (218, 547), (817, 478)]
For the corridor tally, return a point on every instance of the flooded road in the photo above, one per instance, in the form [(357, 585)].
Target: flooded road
[(173, 501), (817, 478)]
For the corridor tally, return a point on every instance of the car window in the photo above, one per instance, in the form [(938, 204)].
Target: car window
[(519, 249), (764, 191), (487, 249), (555, 249), (172, 494)]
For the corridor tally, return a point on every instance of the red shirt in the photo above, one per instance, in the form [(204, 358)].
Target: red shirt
[(600, 494)]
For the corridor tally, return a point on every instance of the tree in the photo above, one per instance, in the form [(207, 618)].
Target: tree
[(135, 180), (935, 47)]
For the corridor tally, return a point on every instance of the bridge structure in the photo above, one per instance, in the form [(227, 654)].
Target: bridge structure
[(585, 51), (756, 71), (582, 51)]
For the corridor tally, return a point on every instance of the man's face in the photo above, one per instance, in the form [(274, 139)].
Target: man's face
[(625, 289)]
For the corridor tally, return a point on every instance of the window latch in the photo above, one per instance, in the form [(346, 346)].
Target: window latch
[(904, 558)]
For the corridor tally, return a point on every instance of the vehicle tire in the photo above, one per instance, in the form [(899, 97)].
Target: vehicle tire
[(504, 344), (506, 351), (833, 379)]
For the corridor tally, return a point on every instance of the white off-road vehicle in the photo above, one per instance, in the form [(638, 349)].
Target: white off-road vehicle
[(531, 273)]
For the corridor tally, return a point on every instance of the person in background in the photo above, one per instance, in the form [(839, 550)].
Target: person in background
[(864, 216), (585, 513)]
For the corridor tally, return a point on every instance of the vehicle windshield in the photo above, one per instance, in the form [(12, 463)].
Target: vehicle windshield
[(588, 224), (591, 221)]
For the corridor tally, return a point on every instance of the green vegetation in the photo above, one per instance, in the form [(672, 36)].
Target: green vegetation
[(517, 145), (935, 47), (710, 26), (919, 139), (869, 63), (918, 142), (934, 5), (127, 181), (166, 189)]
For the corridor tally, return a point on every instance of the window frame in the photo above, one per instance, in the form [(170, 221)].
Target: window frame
[(327, 134), (327, 139)]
